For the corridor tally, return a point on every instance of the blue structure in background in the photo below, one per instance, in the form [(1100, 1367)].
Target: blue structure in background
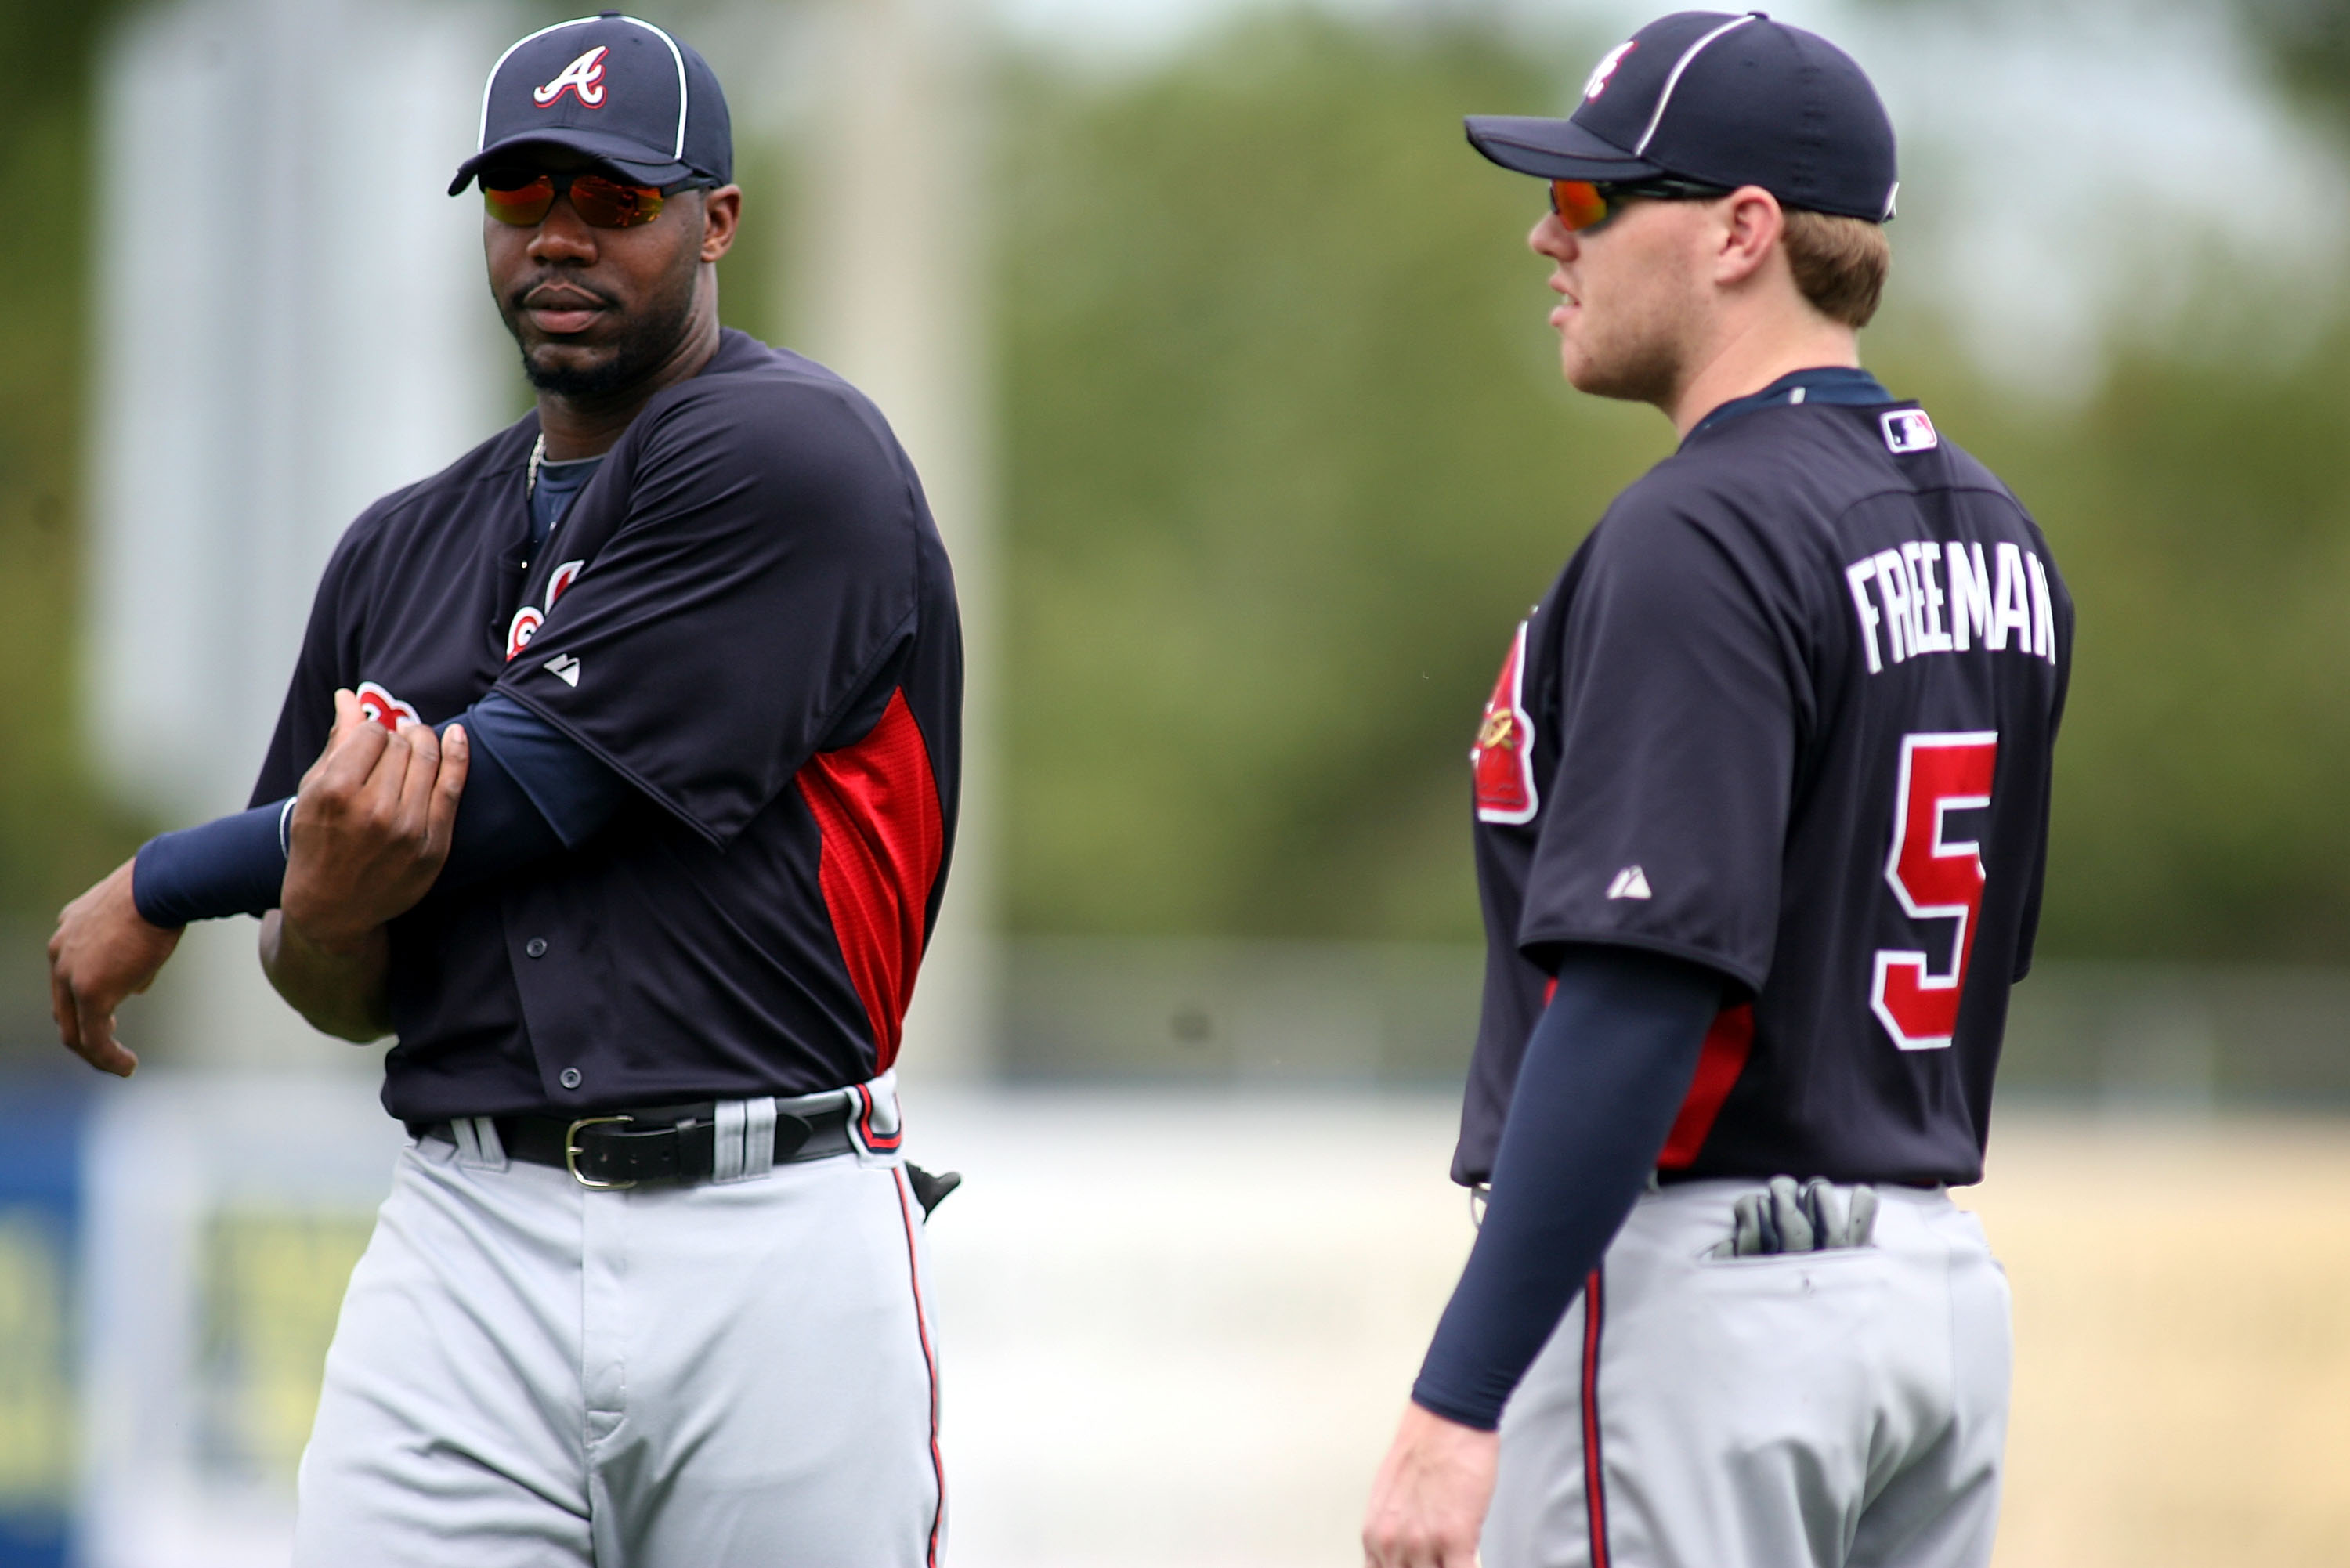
[(42, 1122)]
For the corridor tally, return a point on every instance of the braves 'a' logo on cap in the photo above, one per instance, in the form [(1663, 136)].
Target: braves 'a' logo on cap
[(380, 707), (1605, 69), (1504, 757), (583, 78)]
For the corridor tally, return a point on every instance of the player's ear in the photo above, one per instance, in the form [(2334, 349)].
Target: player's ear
[(722, 218), (1748, 223)]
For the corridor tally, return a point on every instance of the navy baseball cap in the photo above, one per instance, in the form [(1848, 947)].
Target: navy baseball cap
[(622, 91), (1717, 100)]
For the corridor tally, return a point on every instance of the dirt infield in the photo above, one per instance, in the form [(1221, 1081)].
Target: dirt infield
[(1180, 1328), (2182, 1310)]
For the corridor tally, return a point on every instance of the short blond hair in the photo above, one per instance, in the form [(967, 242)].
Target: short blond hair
[(1839, 262)]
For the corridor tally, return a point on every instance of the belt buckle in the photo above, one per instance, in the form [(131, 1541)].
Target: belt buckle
[(572, 1151)]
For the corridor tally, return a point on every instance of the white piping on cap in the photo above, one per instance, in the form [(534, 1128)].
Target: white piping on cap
[(677, 56), (1674, 79), (676, 153), (483, 140)]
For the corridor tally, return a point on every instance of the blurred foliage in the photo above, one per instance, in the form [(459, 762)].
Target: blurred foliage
[(2308, 42), (55, 831), (1286, 458), (2202, 518), (1287, 454)]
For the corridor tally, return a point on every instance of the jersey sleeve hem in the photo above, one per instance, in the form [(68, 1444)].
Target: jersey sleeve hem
[(586, 742), (1541, 949)]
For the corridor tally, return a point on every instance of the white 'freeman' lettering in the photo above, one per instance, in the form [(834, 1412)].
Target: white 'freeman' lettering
[(1986, 606), (1857, 574), (1892, 588), (1970, 597), (1927, 594)]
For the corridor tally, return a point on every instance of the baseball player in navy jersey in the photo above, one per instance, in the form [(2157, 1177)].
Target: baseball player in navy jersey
[(1761, 801), (617, 777)]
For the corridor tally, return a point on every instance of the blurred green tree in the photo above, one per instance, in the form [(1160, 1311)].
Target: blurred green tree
[(2202, 516), (57, 830), (1287, 456), (2307, 43)]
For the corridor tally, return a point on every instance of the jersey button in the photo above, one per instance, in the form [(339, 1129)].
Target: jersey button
[(535, 947), (568, 1077)]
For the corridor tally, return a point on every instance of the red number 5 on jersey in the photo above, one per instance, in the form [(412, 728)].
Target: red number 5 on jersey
[(1935, 880)]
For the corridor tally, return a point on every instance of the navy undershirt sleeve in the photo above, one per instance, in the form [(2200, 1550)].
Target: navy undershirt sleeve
[(1605, 1072), (531, 792), (571, 791), (233, 865)]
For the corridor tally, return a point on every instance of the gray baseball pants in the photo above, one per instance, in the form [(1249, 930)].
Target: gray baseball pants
[(1831, 1410), (528, 1374)]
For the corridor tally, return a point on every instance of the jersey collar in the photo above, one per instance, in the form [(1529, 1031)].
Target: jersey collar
[(1823, 384)]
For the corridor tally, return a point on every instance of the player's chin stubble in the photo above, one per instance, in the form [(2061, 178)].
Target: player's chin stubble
[(648, 335), (1636, 356), (1633, 347)]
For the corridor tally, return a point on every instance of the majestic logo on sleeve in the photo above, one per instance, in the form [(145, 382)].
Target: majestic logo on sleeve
[(583, 78), (530, 618), (1605, 71), (380, 706), (1631, 883), (1504, 757)]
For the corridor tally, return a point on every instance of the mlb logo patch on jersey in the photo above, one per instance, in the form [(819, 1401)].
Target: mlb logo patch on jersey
[(1908, 430)]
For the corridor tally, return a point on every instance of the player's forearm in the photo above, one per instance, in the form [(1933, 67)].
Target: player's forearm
[(533, 792), (1604, 1074), (341, 989)]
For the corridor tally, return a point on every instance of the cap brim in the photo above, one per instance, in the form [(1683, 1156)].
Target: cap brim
[(1554, 148), (617, 152)]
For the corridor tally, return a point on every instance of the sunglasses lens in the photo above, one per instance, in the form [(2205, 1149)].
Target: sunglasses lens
[(1578, 203), (518, 199), (608, 204)]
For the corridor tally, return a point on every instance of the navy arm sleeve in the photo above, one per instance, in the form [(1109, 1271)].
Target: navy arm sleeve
[(531, 792), (232, 865), (1604, 1072)]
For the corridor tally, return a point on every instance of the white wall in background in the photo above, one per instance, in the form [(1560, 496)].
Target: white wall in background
[(292, 320), (223, 1214), (890, 289)]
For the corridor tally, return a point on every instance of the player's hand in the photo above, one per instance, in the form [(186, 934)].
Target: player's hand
[(370, 827), (1428, 1505), (103, 950)]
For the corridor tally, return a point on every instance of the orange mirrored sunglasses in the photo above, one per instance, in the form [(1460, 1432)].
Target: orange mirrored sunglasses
[(1583, 205), (522, 198)]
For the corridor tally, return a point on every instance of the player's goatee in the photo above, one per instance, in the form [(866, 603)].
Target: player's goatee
[(647, 336)]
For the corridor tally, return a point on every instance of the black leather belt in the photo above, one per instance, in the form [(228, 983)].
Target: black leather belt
[(662, 1143)]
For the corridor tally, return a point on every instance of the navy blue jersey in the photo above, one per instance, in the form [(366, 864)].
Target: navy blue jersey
[(748, 614), (1788, 713)]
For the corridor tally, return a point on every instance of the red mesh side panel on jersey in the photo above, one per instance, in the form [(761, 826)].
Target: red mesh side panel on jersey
[(877, 806), (1718, 1061)]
